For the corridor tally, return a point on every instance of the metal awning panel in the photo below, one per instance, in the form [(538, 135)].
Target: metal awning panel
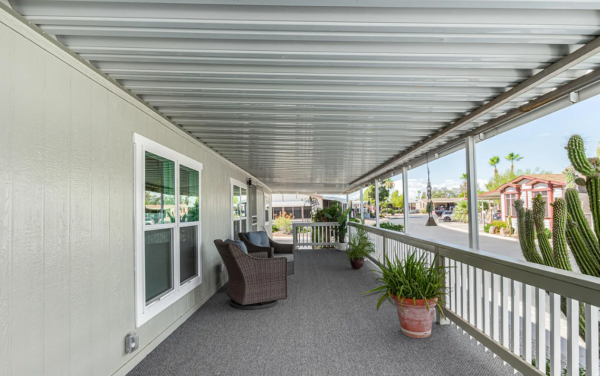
[(322, 94)]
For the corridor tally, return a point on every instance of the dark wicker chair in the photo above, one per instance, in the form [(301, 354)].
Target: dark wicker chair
[(255, 280), (277, 250)]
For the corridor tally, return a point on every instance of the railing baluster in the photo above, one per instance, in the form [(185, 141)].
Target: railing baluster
[(505, 328), (465, 292), (472, 295), (478, 299), (555, 360), (486, 304), (540, 325), (572, 337), (526, 343), (496, 314), (451, 289), (591, 340), (459, 292), (515, 317)]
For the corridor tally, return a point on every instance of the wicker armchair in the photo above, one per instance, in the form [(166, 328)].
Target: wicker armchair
[(277, 250), (255, 280)]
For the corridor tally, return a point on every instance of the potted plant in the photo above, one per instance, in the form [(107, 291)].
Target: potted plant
[(416, 288), (342, 230), (360, 247)]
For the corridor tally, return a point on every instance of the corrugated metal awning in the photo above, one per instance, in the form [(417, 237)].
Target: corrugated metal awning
[(313, 98)]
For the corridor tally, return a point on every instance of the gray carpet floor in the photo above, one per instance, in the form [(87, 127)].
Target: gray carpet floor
[(325, 327)]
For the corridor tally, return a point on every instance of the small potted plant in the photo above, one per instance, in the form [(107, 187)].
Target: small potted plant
[(360, 247), (342, 230), (416, 288)]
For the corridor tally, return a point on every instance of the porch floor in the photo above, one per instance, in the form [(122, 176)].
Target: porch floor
[(325, 327)]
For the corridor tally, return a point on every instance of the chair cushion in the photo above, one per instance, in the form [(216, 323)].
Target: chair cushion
[(288, 256), (239, 243), (258, 238)]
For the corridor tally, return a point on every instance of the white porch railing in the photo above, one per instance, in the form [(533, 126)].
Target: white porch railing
[(315, 234), (484, 288)]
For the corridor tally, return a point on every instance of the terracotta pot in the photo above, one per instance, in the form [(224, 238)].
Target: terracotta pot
[(415, 320), (357, 264)]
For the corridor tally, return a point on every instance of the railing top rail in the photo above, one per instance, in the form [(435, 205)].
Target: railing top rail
[(574, 285), (314, 224)]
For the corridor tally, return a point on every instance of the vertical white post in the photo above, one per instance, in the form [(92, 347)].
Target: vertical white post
[(555, 360), (591, 340), (361, 211), (347, 207), (515, 321), (572, 337), (526, 344), (540, 324), (405, 193), (472, 193), (376, 202)]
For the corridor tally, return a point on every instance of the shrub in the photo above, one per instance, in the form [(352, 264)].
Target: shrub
[(283, 222), (275, 228), (423, 211), (499, 224), (354, 220), (391, 226)]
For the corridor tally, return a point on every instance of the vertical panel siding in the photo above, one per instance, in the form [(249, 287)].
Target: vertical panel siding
[(26, 161), (66, 189), (100, 201), (57, 189), (6, 107)]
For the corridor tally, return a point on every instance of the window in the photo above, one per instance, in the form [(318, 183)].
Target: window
[(510, 204), (267, 209), (167, 225), (239, 200), (545, 198)]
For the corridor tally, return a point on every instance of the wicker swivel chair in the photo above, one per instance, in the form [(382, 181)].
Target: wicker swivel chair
[(255, 281), (259, 241)]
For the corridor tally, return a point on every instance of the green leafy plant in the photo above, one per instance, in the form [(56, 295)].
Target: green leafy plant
[(461, 212), (341, 219), (360, 245), (391, 226), (412, 278)]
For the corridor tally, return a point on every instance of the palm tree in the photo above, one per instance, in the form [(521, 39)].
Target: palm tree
[(512, 158), (388, 183), (463, 177), (494, 161)]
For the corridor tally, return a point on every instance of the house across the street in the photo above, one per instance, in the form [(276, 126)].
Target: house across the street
[(526, 187)]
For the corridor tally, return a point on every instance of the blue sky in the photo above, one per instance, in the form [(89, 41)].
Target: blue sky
[(540, 143)]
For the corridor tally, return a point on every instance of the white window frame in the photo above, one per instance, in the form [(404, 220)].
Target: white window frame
[(145, 312), (268, 200), (241, 185)]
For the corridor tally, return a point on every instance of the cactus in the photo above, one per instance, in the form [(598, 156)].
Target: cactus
[(593, 189), (559, 238), (570, 177), (526, 233), (576, 151), (587, 264), (576, 214), (539, 213)]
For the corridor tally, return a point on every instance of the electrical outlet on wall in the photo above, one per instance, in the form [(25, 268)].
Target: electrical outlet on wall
[(131, 342)]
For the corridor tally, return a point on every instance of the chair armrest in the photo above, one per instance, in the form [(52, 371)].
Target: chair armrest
[(264, 271), (281, 248), (259, 255), (256, 249)]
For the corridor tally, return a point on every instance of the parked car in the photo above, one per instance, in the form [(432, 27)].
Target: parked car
[(439, 212), (497, 216), (414, 211), (447, 216)]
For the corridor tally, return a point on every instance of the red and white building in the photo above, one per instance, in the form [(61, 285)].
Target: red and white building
[(526, 187)]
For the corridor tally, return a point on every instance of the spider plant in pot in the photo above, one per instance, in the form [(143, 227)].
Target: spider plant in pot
[(360, 246), (416, 288), (343, 229)]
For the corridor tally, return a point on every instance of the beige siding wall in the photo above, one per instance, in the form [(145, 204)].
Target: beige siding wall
[(66, 213)]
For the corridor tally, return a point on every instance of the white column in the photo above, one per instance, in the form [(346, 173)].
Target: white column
[(405, 193), (472, 193), (376, 203), (361, 211), (348, 207)]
